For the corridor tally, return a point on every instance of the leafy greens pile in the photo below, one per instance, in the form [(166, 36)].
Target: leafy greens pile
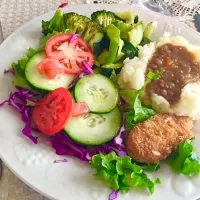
[(122, 173)]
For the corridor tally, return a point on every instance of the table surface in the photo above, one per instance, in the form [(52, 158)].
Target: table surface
[(12, 16)]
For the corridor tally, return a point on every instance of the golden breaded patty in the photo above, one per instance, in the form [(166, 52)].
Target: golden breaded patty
[(154, 139)]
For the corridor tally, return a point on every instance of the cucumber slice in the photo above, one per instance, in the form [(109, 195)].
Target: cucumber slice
[(98, 92), (149, 30), (94, 129), (40, 81), (136, 34), (127, 16)]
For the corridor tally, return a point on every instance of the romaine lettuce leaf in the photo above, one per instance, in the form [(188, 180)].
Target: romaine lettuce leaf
[(139, 113), (19, 69), (184, 160), (121, 172)]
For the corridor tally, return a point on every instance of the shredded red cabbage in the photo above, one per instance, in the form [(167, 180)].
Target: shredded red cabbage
[(87, 70), (6, 71), (60, 161), (122, 102), (65, 146), (63, 5), (19, 100), (75, 36), (76, 79), (113, 195), (119, 139)]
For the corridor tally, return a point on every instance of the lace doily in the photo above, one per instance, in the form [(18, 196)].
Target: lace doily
[(184, 10)]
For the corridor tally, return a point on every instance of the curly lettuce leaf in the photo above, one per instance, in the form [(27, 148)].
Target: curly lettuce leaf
[(184, 160), (139, 113), (19, 69), (56, 23), (121, 172), (151, 167)]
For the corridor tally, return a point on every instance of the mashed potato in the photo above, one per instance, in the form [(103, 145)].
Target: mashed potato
[(132, 76)]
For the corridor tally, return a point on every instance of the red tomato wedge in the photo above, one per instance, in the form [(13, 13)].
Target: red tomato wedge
[(50, 68), (80, 108), (52, 113), (70, 52)]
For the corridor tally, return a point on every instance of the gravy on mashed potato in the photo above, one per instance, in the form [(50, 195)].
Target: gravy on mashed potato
[(179, 68)]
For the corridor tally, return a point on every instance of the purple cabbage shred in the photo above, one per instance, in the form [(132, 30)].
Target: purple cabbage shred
[(19, 100), (60, 161), (12, 71), (122, 102), (119, 139), (65, 146), (113, 195), (75, 36), (87, 71)]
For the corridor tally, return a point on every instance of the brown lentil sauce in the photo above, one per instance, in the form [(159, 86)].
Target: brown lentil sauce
[(179, 68)]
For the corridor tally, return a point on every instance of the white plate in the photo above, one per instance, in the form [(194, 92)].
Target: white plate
[(74, 180)]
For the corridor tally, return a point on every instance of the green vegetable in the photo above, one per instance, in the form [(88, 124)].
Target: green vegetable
[(145, 41), (113, 77), (75, 23), (91, 29), (48, 36), (107, 69), (120, 54), (127, 16), (136, 34), (124, 28), (149, 30), (97, 38), (151, 167), (98, 47), (19, 68), (103, 56), (184, 160), (56, 23), (103, 17), (129, 50), (121, 173), (139, 113), (114, 35), (21, 82)]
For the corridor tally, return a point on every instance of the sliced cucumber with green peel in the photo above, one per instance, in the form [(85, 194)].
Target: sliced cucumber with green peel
[(98, 92), (107, 69), (94, 129), (149, 30), (40, 81), (136, 34)]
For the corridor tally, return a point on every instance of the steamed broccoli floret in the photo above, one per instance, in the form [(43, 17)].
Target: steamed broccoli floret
[(103, 17), (91, 29), (56, 23), (75, 23)]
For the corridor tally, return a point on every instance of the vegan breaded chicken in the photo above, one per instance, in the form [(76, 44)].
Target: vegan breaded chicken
[(154, 139)]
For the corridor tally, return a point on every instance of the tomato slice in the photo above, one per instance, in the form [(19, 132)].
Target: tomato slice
[(69, 52), (50, 68), (52, 113), (80, 108)]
